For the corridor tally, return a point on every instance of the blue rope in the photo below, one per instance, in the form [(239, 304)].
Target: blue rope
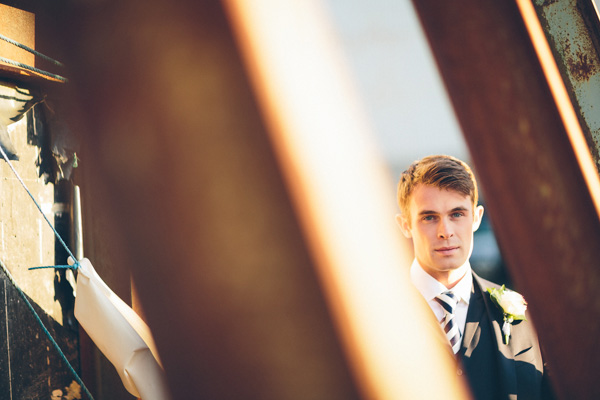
[(38, 206), (46, 332), (74, 267), (56, 346), (29, 49)]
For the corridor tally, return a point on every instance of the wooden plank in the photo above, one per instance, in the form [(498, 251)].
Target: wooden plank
[(533, 172), (18, 25)]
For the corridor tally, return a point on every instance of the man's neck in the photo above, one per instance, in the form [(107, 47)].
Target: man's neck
[(448, 278), (451, 278), (430, 287)]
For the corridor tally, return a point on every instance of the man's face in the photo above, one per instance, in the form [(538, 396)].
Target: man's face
[(441, 226)]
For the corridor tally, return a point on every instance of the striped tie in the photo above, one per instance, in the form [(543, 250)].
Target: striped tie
[(448, 302)]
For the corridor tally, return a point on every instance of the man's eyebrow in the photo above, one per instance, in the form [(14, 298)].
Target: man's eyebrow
[(428, 212), (431, 212)]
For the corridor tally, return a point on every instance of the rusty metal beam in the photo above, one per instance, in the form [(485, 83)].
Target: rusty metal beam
[(236, 284), (534, 172), (175, 139)]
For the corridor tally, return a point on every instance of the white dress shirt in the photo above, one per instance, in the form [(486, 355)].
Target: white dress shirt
[(429, 288)]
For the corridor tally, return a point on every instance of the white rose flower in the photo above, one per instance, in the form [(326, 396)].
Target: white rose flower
[(513, 306), (512, 303)]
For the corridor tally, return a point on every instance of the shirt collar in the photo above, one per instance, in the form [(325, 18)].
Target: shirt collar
[(429, 287)]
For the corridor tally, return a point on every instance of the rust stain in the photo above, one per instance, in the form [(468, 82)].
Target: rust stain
[(567, 45), (581, 66), (73, 392)]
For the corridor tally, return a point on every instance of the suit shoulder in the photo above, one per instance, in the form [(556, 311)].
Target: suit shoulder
[(484, 284)]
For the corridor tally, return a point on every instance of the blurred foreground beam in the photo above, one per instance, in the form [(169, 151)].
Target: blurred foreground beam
[(177, 151), (236, 283), (536, 172), (343, 198)]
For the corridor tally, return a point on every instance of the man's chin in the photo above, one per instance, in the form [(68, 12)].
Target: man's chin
[(450, 266)]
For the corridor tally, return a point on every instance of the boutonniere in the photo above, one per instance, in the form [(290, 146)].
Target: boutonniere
[(512, 304)]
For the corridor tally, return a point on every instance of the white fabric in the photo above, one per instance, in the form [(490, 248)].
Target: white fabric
[(429, 288), (14, 102), (120, 334)]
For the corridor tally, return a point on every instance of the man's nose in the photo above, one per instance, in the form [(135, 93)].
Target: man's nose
[(445, 229)]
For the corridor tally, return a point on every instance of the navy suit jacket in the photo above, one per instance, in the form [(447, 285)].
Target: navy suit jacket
[(494, 370)]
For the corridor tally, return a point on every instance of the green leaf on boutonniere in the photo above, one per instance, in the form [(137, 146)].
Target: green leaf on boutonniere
[(511, 303), (513, 306)]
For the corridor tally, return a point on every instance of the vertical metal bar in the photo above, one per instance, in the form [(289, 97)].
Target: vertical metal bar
[(534, 172), (77, 222), (176, 150)]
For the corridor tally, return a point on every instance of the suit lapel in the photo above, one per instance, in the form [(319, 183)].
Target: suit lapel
[(475, 314), (505, 357)]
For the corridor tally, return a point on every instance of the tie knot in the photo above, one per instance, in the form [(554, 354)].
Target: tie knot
[(448, 301)]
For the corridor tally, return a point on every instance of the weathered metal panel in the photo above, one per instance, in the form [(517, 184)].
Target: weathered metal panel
[(572, 28)]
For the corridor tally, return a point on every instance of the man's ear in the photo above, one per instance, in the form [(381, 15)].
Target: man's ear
[(478, 214), (404, 225)]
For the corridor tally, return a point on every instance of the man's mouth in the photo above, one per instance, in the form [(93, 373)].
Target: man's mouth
[(445, 251)]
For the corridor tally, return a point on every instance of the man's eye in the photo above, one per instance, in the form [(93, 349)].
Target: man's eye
[(457, 215), (428, 218)]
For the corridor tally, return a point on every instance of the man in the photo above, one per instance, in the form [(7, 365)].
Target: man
[(439, 212)]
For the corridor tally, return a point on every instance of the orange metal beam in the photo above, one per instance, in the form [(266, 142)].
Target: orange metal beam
[(534, 168)]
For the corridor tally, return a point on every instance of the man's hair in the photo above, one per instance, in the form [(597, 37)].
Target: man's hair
[(440, 171)]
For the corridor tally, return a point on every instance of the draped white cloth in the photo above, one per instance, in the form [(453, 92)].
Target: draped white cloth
[(120, 334), (15, 101)]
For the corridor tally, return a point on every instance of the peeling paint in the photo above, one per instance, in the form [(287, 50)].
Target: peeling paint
[(582, 66), (545, 2), (578, 60)]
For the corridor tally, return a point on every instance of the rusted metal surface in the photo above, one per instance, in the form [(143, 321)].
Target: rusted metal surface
[(572, 28), (545, 218), (182, 166)]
